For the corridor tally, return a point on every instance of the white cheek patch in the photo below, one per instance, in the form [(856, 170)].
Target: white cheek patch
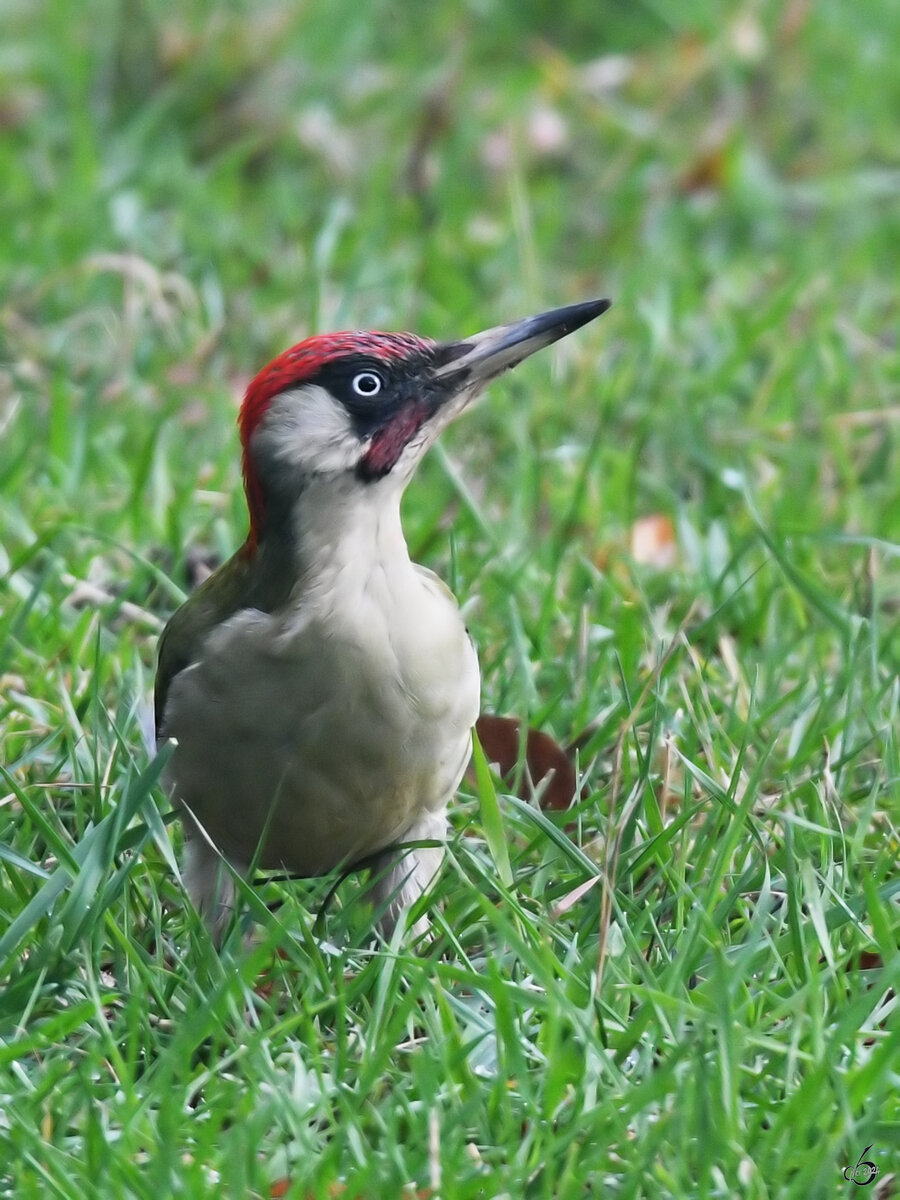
[(307, 430)]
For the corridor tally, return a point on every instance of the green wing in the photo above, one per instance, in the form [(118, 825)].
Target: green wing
[(226, 592)]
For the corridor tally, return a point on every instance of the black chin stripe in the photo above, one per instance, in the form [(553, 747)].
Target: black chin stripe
[(390, 441)]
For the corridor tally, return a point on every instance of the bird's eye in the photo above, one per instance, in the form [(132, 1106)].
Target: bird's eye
[(367, 383)]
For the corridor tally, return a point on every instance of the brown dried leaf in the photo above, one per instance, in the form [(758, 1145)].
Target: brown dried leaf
[(653, 542), (571, 898), (706, 173), (500, 738), (794, 17)]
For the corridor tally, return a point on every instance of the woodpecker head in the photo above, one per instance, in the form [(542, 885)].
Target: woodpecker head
[(364, 407)]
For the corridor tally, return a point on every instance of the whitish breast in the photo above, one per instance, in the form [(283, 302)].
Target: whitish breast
[(321, 733)]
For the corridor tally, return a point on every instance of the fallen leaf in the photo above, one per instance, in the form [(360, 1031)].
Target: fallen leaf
[(869, 960), (653, 542), (793, 19), (706, 173), (500, 739), (571, 898)]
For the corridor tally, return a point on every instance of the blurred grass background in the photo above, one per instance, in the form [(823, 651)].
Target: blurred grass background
[(676, 538)]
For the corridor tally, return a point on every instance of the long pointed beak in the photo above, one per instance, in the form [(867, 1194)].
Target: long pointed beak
[(476, 360)]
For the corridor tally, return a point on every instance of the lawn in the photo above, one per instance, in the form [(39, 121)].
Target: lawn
[(676, 538)]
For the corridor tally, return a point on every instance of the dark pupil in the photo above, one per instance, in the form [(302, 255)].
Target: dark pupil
[(368, 384)]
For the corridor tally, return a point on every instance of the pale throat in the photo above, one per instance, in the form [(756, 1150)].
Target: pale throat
[(339, 534)]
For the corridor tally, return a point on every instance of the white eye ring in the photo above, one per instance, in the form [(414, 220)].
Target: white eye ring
[(367, 384)]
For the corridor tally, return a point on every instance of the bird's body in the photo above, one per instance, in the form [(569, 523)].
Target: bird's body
[(356, 696), (321, 688)]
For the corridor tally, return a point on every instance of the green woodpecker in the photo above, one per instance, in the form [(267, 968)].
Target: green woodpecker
[(320, 688)]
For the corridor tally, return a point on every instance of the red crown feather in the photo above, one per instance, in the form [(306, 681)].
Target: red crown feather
[(295, 366)]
